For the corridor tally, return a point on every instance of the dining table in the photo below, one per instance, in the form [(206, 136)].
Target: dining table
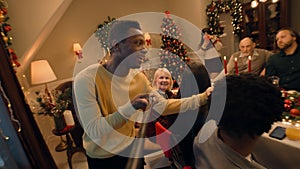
[(276, 153)]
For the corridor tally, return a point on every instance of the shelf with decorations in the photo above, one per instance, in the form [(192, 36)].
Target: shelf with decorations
[(264, 20), (272, 22), (251, 21)]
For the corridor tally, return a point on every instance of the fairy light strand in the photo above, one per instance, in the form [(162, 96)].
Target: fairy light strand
[(12, 117)]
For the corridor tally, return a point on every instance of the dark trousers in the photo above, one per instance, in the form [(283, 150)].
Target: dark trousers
[(115, 162)]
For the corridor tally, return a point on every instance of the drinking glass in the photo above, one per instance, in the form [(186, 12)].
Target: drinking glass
[(275, 80)]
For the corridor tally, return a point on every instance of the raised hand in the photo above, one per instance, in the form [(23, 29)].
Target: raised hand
[(209, 90)]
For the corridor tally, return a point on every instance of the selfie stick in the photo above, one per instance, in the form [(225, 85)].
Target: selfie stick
[(135, 161)]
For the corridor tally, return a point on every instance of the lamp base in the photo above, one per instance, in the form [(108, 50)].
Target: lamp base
[(62, 146)]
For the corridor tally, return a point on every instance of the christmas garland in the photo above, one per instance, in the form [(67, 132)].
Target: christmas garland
[(4, 31), (102, 33), (217, 7)]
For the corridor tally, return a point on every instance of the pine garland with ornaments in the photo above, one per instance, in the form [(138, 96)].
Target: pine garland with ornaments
[(234, 7), (291, 104), (173, 54), (5, 28), (102, 33)]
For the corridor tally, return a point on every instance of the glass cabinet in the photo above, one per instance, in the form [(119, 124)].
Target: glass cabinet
[(263, 21)]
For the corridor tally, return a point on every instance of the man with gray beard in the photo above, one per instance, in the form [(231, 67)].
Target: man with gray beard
[(247, 48)]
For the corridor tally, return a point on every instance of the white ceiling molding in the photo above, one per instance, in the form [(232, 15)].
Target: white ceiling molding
[(45, 32)]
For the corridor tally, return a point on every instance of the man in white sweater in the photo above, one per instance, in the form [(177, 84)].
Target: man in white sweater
[(111, 95)]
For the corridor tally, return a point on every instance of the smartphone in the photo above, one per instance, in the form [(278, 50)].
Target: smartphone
[(278, 133)]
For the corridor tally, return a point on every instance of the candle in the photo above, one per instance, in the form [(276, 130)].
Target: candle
[(69, 118), (236, 66), (249, 64), (225, 65)]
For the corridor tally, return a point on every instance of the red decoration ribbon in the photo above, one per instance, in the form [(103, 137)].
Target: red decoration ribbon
[(148, 42)]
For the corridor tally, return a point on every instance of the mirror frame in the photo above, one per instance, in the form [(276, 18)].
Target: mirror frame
[(30, 136)]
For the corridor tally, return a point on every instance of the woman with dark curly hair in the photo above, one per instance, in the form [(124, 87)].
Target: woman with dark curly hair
[(252, 105)]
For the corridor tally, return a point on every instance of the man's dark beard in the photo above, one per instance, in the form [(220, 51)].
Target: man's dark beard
[(287, 45)]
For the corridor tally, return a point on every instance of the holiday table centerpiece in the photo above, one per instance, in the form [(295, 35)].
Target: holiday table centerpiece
[(292, 106), (55, 105)]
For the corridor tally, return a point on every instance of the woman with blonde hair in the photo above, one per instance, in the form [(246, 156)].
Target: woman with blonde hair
[(163, 82)]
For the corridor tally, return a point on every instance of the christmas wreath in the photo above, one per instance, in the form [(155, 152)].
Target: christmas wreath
[(217, 7)]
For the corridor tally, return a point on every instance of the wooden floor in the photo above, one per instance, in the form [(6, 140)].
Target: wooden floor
[(46, 125)]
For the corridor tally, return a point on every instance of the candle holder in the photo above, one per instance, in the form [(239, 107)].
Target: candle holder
[(62, 146)]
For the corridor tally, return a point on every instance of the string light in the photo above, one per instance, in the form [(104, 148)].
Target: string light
[(254, 4), (10, 110)]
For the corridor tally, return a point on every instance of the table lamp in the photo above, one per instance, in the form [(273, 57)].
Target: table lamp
[(42, 73)]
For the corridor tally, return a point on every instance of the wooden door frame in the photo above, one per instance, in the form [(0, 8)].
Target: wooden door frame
[(30, 136)]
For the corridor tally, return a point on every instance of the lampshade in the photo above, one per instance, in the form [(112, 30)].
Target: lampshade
[(41, 72)]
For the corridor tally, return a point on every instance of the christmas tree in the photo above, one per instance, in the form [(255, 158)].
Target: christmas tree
[(173, 54)]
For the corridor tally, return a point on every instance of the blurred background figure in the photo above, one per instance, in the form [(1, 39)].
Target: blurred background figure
[(195, 80), (208, 52)]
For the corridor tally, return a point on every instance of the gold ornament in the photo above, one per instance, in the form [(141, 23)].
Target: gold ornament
[(5, 39), (2, 17)]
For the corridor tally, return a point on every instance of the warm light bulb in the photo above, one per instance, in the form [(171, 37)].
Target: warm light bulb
[(274, 1), (147, 36), (254, 4), (76, 47), (262, 0)]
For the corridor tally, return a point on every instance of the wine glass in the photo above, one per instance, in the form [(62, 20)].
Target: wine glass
[(275, 80)]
